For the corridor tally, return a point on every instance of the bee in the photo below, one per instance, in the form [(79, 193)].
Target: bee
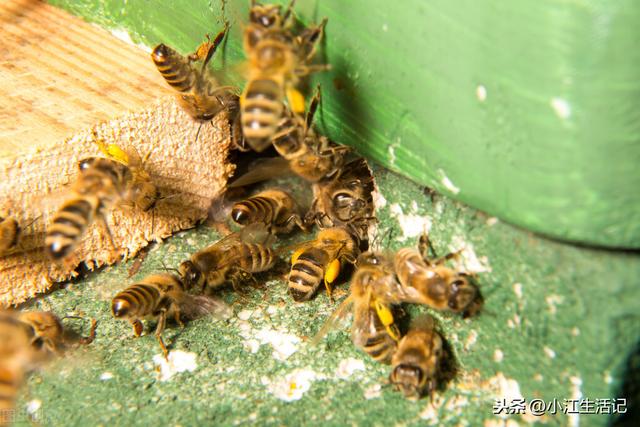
[(433, 284), (9, 231), (277, 60), (161, 296), (199, 94), (320, 260), (373, 330), (274, 208), (309, 155), (102, 183), (345, 200), (234, 258), (27, 340), (416, 363)]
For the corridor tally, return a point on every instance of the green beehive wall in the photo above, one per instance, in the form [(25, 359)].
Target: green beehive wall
[(527, 109)]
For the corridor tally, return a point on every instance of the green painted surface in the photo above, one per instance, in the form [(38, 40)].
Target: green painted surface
[(526, 109), (567, 329)]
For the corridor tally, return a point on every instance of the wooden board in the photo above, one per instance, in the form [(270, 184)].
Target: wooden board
[(65, 83)]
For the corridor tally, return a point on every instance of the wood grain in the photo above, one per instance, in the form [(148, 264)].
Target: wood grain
[(65, 83)]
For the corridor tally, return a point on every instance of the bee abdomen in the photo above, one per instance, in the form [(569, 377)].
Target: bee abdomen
[(380, 346), (137, 300), (306, 274), (254, 210), (9, 383), (257, 258), (68, 226), (262, 109), (174, 68)]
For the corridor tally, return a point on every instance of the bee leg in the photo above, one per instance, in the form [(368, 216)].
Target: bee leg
[(162, 319), (294, 219), (287, 13), (176, 317), (331, 274), (305, 70), (313, 107), (137, 327), (295, 100), (92, 334), (310, 37), (386, 318), (107, 230)]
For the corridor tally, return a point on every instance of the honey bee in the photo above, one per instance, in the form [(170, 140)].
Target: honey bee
[(199, 94), (345, 200), (373, 330), (27, 340), (159, 296), (416, 362), (309, 155), (320, 260), (9, 231), (233, 258), (102, 183), (277, 60), (433, 284), (274, 208)]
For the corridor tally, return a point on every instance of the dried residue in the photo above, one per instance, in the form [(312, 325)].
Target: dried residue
[(448, 184), (347, 367), (177, 361), (412, 224), (467, 260), (282, 343), (293, 386)]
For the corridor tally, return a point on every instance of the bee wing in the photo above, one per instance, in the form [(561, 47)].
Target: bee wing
[(197, 306), (332, 322), (262, 170)]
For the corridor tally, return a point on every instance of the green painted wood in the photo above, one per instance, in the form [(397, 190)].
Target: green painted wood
[(527, 109)]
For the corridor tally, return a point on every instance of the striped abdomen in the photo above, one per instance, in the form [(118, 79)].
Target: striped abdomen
[(255, 210), (175, 69), (307, 273), (262, 109), (254, 257), (137, 301), (377, 343), (10, 382), (69, 225)]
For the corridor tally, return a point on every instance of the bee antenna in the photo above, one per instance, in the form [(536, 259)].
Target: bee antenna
[(33, 220), (175, 270), (198, 132), (92, 332)]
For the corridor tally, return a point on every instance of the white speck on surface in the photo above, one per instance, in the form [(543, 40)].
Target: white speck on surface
[(122, 34), (549, 352), (448, 184), (467, 260), (347, 367), (538, 377), (293, 385), (552, 301), (283, 344), (385, 27), (510, 324), (506, 388), (517, 289), (608, 379), (575, 331), (179, 361), (392, 153), (373, 391), (561, 107), (492, 220), (245, 314), (430, 412), (472, 338), (481, 93), (498, 355), (251, 345), (412, 225), (106, 376), (576, 394), (33, 406), (379, 201), (272, 309)]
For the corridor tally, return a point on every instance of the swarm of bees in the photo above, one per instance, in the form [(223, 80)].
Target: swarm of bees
[(269, 115)]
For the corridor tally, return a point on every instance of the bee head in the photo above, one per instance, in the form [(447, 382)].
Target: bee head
[(120, 308), (409, 379), (191, 275), (267, 16), (464, 296)]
